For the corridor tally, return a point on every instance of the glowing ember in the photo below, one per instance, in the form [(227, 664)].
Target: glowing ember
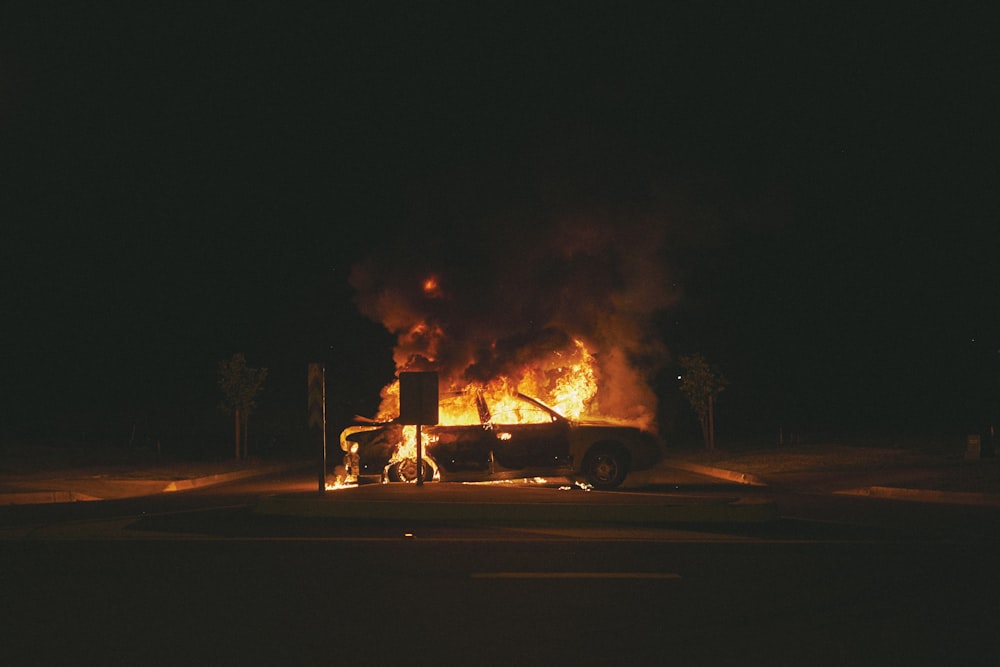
[(527, 481), (431, 287), (579, 485)]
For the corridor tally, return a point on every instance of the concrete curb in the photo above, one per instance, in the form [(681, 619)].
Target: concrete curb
[(209, 480), (111, 489), (718, 473), (926, 495), (889, 492), (43, 497)]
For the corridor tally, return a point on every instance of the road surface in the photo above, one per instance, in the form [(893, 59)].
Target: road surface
[(200, 578)]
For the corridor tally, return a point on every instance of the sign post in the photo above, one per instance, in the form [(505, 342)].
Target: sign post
[(317, 414), (418, 405)]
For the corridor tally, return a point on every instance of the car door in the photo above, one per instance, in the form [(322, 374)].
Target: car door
[(462, 448), (535, 447)]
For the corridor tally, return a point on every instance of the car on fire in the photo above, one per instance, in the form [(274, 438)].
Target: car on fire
[(532, 440)]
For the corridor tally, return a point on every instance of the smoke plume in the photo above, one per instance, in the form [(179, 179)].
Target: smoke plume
[(480, 296)]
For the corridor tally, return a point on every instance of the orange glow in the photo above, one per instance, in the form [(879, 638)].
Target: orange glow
[(431, 286)]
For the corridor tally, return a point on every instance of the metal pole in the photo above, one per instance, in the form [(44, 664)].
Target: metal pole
[(420, 459), (322, 472)]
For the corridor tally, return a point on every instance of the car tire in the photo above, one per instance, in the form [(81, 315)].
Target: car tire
[(605, 466), (406, 471)]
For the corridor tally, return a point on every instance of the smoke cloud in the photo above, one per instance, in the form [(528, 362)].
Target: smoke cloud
[(479, 296)]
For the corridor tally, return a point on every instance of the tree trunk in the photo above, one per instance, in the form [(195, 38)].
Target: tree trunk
[(237, 412)]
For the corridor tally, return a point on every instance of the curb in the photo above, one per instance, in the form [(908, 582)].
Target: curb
[(131, 488), (43, 497), (719, 473), (926, 495), (209, 480)]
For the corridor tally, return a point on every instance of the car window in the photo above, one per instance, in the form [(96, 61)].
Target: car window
[(526, 414)]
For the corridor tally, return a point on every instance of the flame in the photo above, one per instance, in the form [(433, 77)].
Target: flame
[(340, 483), (566, 382), (407, 449), (347, 473)]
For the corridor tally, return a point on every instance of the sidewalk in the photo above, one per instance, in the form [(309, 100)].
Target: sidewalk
[(113, 482), (929, 473)]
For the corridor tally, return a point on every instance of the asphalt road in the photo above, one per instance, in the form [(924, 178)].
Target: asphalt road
[(201, 578), (512, 601)]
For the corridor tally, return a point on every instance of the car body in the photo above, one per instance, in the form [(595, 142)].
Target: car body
[(501, 447)]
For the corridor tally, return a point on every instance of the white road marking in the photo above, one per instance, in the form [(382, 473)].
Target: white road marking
[(574, 575)]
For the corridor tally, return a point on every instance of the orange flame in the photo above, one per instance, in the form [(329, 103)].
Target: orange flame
[(565, 382)]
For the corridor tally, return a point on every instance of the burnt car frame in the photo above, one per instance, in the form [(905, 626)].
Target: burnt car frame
[(598, 453)]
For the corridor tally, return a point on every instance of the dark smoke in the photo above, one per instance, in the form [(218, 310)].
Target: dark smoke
[(521, 296), (515, 287)]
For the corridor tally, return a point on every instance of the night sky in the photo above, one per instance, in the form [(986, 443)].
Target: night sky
[(816, 186)]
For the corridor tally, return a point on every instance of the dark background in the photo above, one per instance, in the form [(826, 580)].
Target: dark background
[(180, 181)]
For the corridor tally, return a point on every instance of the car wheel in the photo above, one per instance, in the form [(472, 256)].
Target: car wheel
[(605, 466), (406, 471)]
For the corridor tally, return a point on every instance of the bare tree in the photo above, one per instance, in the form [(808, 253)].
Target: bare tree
[(701, 384), (240, 387)]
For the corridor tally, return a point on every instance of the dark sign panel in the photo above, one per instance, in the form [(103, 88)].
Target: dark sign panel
[(418, 398)]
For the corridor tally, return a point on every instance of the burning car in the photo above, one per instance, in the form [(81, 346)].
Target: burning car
[(513, 438)]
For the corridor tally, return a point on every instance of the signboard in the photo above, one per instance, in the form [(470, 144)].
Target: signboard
[(418, 398)]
